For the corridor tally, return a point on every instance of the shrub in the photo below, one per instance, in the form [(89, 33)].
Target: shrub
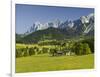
[(82, 48), (31, 51), (78, 48), (26, 51), (86, 49), (36, 50), (90, 42), (53, 52), (44, 50), (18, 53)]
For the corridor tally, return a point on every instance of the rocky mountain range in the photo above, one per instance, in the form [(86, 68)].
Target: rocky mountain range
[(84, 26)]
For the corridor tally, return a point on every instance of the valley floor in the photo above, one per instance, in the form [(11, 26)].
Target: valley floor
[(41, 63)]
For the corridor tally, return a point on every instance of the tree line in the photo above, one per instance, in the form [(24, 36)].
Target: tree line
[(60, 48)]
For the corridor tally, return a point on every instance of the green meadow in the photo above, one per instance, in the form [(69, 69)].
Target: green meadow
[(44, 62)]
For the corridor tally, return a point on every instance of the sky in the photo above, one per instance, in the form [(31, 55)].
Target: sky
[(26, 15)]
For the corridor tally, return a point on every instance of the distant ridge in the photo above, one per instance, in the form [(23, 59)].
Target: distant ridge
[(59, 30)]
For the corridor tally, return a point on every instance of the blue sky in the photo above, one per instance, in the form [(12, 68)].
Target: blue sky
[(26, 15)]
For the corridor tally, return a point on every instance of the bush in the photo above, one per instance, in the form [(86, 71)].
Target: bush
[(36, 50), (90, 42), (18, 53), (86, 49), (53, 52), (26, 51), (82, 49), (44, 50), (31, 51), (78, 48)]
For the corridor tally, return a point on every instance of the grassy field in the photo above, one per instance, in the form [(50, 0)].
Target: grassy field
[(44, 62), (33, 45)]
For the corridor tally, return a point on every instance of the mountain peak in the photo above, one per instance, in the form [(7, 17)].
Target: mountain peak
[(83, 24)]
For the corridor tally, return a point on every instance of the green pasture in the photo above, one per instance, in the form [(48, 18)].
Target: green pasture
[(18, 46), (44, 62)]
